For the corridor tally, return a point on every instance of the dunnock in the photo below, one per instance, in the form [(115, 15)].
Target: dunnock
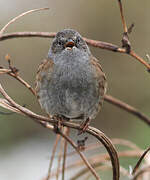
[(70, 83)]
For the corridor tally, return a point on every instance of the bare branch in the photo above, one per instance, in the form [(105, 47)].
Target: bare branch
[(125, 39), (13, 35), (81, 155), (115, 141), (8, 103), (127, 108), (122, 17), (52, 157), (94, 43), (23, 82), (107, 98), (140, 172), (59, 158), (110, 149), (100, 159), (4, 71), (22, 14), (140, 160), (5, 104), (93, 131), (66, 132)]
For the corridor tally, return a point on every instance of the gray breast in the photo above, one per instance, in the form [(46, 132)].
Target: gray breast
[(72, 88)]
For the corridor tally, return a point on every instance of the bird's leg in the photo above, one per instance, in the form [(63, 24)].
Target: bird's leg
[(59, 119), (57, 126), (84, 125)]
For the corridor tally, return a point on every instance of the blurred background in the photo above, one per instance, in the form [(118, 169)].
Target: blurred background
[(24, 145)]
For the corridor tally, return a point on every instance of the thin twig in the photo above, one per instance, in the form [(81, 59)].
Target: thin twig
[(140, 160), (107, 98), (50, 121), (98, 134), (17, 17), (141, 60), (59, 158), (122, 17), (127, 107), (66, 132), (110, 149), (125, 39), (4, 71), (39, 118), (23, 82), (13, 102), (85, 170), (6, 113), (52, 157), (99, 159), (140, 172), (81, 155), (94, 43), (98, 166), (115, 141), (93, 131), (13, 35)]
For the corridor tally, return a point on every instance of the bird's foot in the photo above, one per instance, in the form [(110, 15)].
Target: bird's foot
[(84, 125), (81, 144), (58, 125)]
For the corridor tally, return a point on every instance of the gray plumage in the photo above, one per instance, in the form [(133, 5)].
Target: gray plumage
[(70, 82)]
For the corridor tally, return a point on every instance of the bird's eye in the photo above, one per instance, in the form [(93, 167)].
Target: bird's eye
[(60, 43), (77, 40)]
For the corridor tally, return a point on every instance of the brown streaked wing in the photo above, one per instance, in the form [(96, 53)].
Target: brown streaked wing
[(45, 67), (100, 75)]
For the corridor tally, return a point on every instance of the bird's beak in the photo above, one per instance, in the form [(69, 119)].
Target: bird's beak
[(70, 44)]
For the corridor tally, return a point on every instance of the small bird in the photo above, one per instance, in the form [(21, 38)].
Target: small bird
[(70, 83)]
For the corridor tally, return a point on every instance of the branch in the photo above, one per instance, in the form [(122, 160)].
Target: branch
[(94, 43), (17, 17), (107, 98), (66, 132), (52, 157), (81, 155), (115, 141), (140, 160), (100, 159), (59, 158), (140, 172), (93, 131), (127, 108), (122, 17)]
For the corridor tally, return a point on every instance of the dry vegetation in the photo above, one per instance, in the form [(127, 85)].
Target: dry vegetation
[(97, 162)]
